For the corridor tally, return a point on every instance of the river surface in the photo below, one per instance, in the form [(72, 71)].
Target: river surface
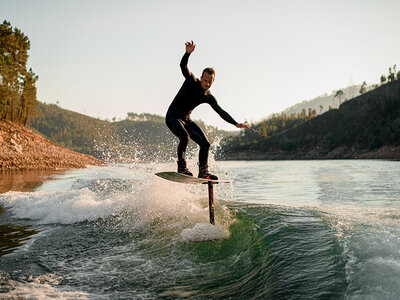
[(284, 230)]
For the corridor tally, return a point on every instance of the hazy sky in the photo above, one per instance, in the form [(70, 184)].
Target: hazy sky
[(107, 58)]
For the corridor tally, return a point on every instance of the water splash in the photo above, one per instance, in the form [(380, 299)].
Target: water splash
[(64, 207), (204, 232), (131, 193), (40, 287)]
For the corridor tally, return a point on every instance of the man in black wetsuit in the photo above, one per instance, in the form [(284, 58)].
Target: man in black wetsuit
[(193, 93)]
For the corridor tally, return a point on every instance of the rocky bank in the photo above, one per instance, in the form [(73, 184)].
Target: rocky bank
[(22, 150)]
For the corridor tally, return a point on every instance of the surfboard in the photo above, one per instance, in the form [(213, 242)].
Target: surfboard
[(177, 177)]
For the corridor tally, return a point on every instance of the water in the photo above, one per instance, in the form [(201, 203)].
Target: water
[(285, 230)]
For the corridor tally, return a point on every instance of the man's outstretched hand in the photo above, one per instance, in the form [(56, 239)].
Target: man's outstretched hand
[(190, 47), (242, 125)]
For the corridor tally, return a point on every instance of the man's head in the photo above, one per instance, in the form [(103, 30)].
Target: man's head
[(207, 78)]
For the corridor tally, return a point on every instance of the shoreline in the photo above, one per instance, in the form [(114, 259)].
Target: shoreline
[(21, 149), (25, 181), (382, 153)]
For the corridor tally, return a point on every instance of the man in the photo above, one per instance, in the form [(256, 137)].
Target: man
[(193, 93)]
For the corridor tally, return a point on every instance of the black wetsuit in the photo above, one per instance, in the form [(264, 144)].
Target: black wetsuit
[(190, 95)]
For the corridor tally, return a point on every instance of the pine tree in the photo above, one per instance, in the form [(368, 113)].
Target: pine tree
[(391, 76), (340, 95), (17, 84), (363, 88)]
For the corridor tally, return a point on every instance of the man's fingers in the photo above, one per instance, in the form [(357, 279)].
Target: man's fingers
[(241, 125), (190, 46)]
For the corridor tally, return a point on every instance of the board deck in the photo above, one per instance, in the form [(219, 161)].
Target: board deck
[(177, 177)]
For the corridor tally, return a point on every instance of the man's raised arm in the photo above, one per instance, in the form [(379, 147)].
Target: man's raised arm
[(190, 46)]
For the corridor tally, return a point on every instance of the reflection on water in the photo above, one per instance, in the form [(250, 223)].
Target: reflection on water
[(13, 236), (24, 181)]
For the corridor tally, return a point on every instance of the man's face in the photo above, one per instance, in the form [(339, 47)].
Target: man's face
[(206, 81)]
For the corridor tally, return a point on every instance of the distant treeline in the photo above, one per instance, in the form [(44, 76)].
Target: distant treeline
[(17, 84), (364, 123), (270, 127), (393, 75)]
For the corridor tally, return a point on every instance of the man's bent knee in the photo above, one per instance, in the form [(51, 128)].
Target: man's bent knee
[(184, 140), (205, 145)]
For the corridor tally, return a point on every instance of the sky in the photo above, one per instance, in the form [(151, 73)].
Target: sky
[(107, 58)]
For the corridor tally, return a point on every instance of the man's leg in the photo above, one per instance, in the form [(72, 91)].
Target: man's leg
[(178, 129), (198, 136)]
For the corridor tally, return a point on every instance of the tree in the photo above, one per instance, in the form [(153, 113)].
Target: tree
[(17, 84), (391, 76), (363, 88), (383, 79), (340, 95), (312, 113)]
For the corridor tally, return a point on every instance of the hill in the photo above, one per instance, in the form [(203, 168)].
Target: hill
[(323, 103), (367, 126), (71, 130), (140, 137)]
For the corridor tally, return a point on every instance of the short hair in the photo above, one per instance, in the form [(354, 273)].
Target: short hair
[(209, 71)]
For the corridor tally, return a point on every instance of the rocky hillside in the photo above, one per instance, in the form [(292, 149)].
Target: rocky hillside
[(22, 149)]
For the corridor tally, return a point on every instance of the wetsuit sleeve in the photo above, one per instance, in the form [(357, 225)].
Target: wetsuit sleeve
[(223, 114), (184, 66)]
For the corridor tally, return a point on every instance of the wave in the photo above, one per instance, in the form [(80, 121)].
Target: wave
[(40, 287), (136, 200), (63, 207), (204, 232)]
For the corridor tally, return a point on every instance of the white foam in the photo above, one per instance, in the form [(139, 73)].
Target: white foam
[(141, 199), (204, 232), (65, 207), (370, 241), (345, 217), (40, 288)]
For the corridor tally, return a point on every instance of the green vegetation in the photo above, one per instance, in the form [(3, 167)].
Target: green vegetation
[(72, 130), (339, 94), (393, 75), (363, 88), (17, 84), (364, 123), (138, 137), (268, 128)]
